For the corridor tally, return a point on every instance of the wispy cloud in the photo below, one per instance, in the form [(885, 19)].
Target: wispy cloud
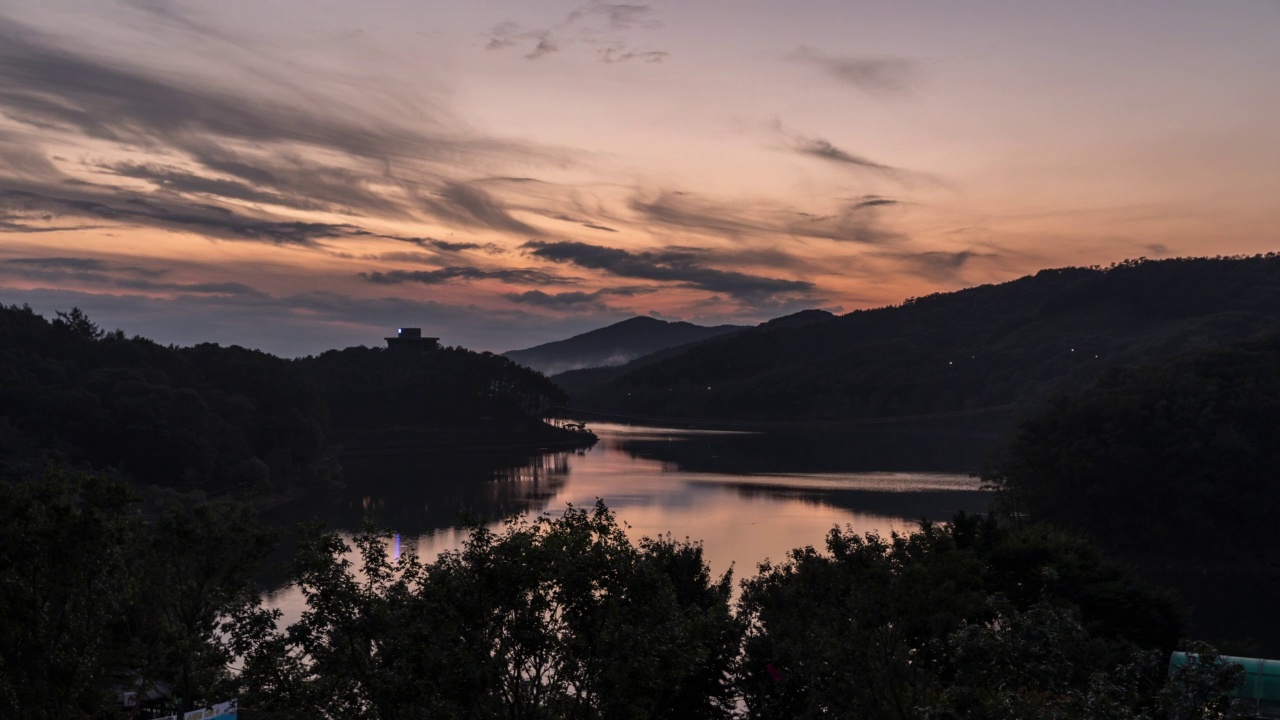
[(469, 205), (96, 272), (619, 16), (574, 301), (867, 201), (520, 276), (615, 55), (876, 75), (935, 265), (684, 268), (80, 264), (851, 222), (820, 148), (181, 181), (224, 146), (47, 84), (85, 201), (692, 212), (596, 23)]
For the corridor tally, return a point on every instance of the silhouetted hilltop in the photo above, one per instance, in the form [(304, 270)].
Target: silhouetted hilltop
[(799, 319), (1015, 343), (382, 399), (207, 418), (231, 420), (616, 344), (575, 381)]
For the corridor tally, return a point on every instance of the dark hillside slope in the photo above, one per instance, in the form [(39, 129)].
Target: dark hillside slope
[(233, 421), (451, 397), (1175, 468), (614, 345), (989, 346), (208, 418), (575, 382)]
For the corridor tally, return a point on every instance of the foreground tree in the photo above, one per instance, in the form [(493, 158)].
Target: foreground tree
[(970, 620), (97, 597), (195, 567), (558, 618), (65, 551)]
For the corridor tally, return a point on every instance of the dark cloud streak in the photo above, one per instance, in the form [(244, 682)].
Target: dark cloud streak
[(853, 223), (527, 276), (575, 301), (817, 147), (683, 268), (468, 205), (880, 76)]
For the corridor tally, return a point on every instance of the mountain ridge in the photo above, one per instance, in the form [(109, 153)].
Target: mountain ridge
[(1014, 343), (614, 344)]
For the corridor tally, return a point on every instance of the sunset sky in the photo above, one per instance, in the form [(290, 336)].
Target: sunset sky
[(297, 176)]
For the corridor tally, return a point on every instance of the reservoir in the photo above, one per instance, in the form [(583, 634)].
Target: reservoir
[(747, 497)]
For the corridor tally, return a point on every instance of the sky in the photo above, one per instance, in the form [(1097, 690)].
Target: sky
[(298, 176)]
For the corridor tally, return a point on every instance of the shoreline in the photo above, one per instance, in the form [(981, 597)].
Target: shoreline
[(586, 440)]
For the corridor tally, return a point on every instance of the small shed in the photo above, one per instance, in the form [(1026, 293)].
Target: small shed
[(1261, 680)]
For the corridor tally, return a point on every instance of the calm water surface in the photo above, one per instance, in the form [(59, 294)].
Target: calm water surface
[(747, 497)]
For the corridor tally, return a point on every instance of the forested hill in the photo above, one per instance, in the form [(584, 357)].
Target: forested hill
[(379, 399), (614, 345), (203, 418), (1160, 461), (995, 345), (230, 420)]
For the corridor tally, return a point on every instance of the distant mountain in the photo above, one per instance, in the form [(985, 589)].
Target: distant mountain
[(614, 345), (800, 319), (994, 346), (576, 381)]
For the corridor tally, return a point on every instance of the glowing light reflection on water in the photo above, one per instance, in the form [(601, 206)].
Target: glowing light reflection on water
[(742, 518)]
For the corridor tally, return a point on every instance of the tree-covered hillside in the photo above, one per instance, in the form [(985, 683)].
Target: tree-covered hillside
[(1178, 461), (203, 418), (230, 420), (1014, 343), (450, 396)]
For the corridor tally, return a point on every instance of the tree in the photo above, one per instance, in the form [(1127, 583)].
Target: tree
[(558, 618), (195, 568), (949, 621), (78, 323), (96, 599), (65, 559)]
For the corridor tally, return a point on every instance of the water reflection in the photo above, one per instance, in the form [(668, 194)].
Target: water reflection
[(417, 494), (746, 497)]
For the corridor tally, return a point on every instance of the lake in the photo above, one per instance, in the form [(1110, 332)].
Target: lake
[(747, 497)]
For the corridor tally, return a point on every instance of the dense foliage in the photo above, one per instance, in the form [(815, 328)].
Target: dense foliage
[(1179, 460), (971, 619), (229, 420), (439, 397), (559, 618), (97, 600), (1014, 343), (568, 618), (202, 418)]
